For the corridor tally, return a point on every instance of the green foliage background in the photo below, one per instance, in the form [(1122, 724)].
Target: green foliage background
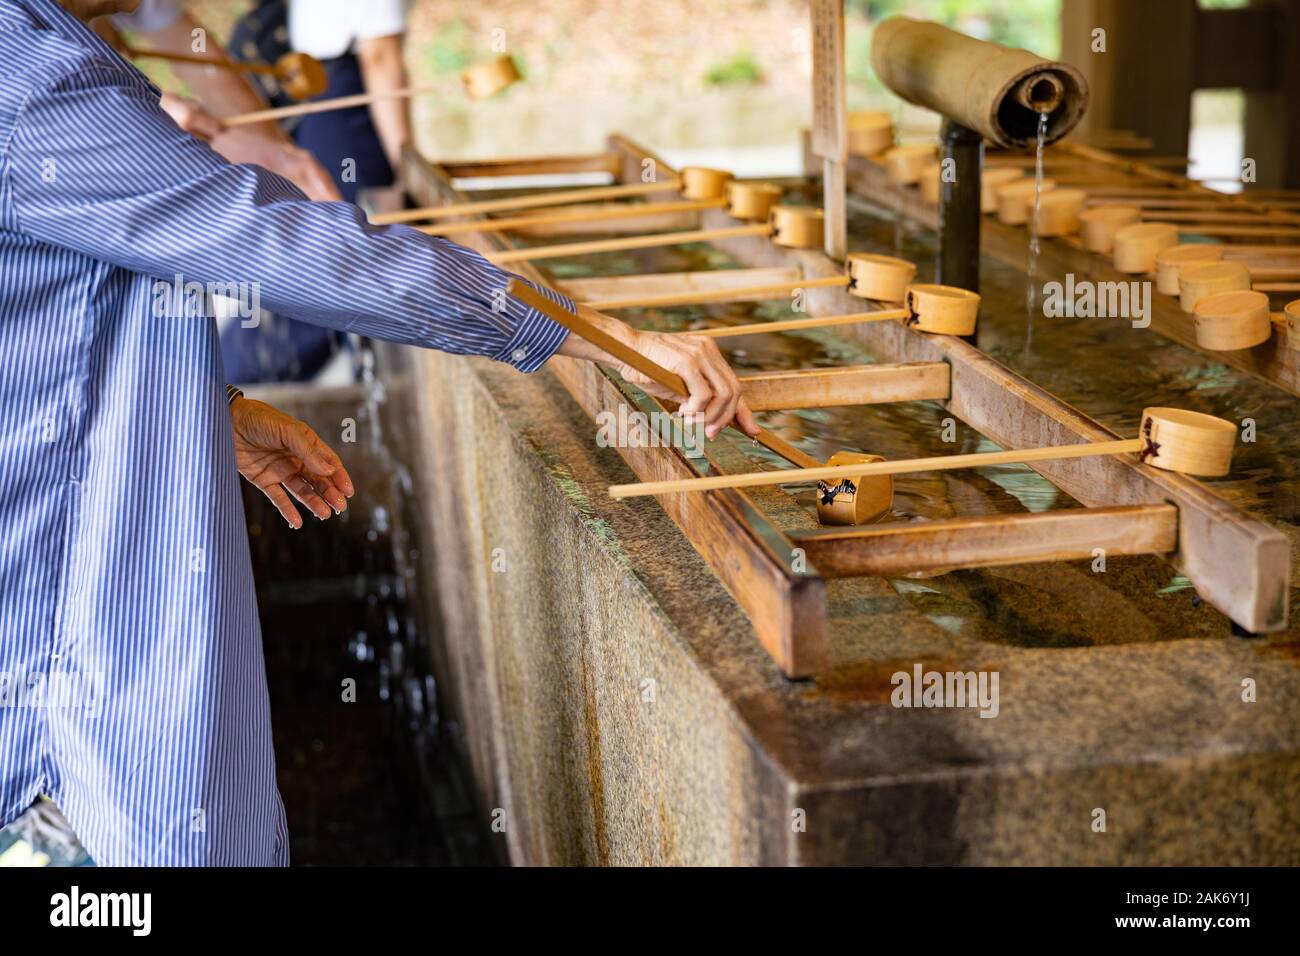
[(1034, 25)]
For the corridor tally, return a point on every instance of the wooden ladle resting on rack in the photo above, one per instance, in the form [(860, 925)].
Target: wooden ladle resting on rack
[(930, 308), (795, 227), (752, 201), (874, 496), (1170, 438), (700, 186)]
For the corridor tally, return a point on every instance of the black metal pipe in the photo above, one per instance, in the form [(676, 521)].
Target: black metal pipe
[(959, 207)]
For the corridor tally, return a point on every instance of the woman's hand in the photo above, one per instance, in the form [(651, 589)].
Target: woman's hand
[(283, 457), (714, 389)]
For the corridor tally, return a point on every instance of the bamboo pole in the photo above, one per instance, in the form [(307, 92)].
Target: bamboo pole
[(629, 242), (481, 80), (877, 469), (531, 201), (1228, 231), (300, 75), (267, 69), (1194, 217), (718, 295), (1171, 438), (1178, 202), (629, 211), (325, 106), (1245, 251), (794, 325)]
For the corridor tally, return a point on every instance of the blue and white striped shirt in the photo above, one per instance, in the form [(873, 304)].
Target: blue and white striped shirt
[(125, 583)]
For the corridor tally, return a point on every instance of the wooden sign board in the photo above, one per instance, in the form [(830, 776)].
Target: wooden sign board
[(830, 109), (830, 118)]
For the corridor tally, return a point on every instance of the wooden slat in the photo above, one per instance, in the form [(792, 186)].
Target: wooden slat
[(659, 222), (673, 299), (853, 385), (989, 541), (754, 560), (664, 283), (534, 166)]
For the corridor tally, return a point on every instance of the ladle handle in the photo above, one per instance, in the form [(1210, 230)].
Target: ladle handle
[(325, 106), (601, 339), (630, 356), (874, 469)]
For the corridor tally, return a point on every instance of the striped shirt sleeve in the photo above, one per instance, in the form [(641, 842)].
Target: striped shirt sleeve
[(95, 165)]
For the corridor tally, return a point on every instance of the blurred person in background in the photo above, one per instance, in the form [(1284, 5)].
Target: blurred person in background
[(360, 45), (334, 154), (165, 25)]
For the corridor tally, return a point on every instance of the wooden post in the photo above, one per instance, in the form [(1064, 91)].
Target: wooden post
[(830, 119)]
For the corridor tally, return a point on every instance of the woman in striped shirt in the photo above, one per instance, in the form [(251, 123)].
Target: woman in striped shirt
[(124, 563)]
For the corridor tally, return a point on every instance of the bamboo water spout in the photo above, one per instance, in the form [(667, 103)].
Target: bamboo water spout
[(995, 90), (984, 91)]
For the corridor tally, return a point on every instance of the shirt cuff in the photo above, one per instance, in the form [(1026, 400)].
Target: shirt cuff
[(537, 336)]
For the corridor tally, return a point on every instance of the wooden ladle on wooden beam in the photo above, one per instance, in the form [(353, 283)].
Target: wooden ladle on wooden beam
[(796, 227), (875, 496), (1176, 440), (934, 308), (711, 188), (882, 278), (930, 308), (751, 201)]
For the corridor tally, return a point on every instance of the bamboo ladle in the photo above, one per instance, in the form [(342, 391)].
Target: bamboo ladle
[(938, 309), (1173, 439), (877, 495), (796, 325), (480, 81), (742, 200), (796, 227), (299, 75), (713, 187), (882, 278)]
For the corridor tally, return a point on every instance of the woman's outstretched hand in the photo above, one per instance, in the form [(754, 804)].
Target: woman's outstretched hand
[(714, 389), (283, 457)]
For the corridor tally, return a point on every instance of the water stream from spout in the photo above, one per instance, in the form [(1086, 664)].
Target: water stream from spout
[(1031, 267)]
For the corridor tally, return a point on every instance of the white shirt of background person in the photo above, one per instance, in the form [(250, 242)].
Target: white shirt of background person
[(328, 28)]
